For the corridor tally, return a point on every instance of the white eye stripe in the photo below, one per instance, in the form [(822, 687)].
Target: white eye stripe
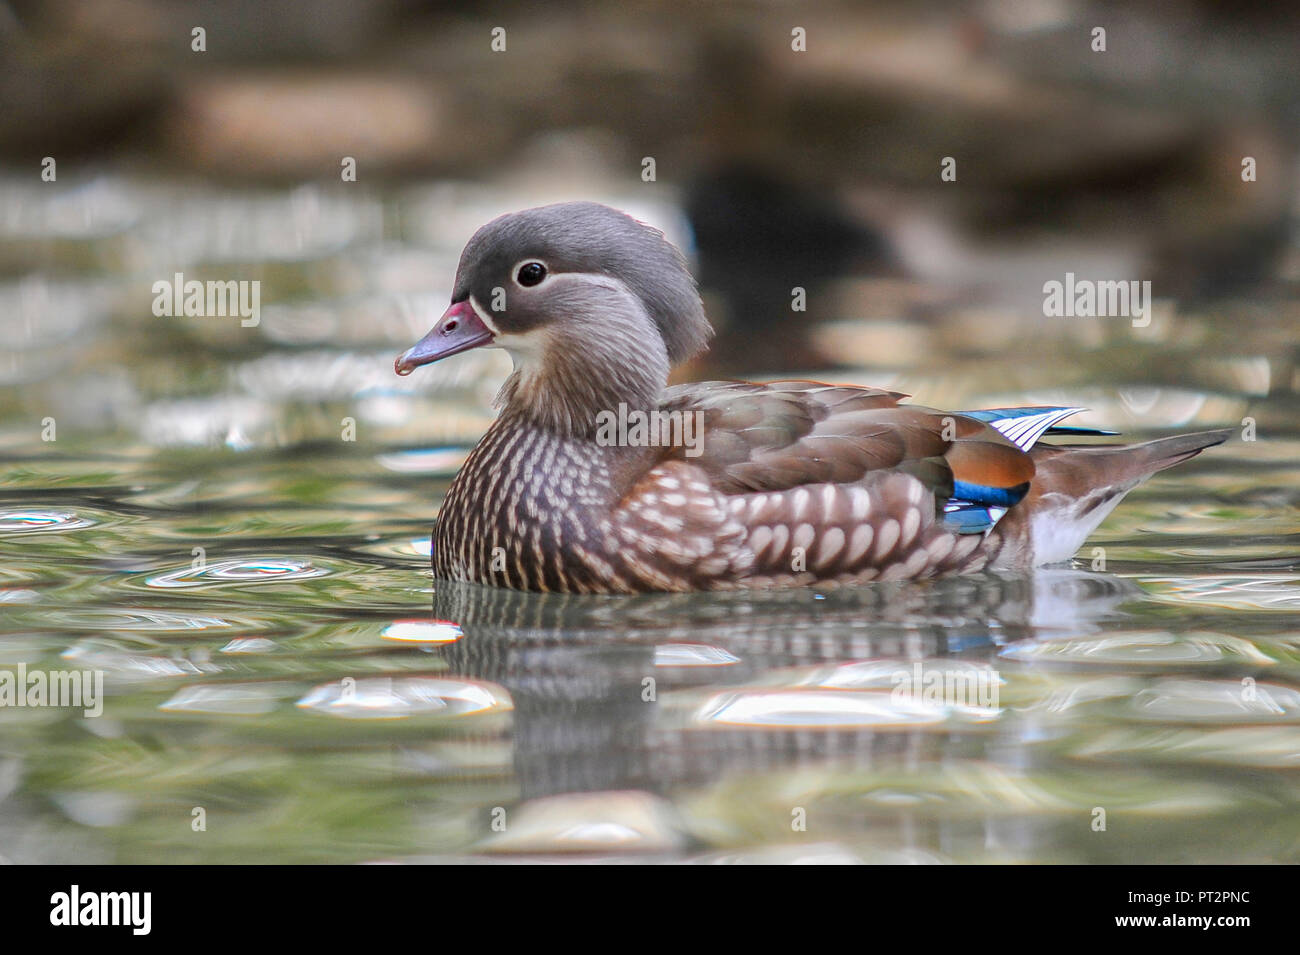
[(595, 278), (484, 316), (599, 278)]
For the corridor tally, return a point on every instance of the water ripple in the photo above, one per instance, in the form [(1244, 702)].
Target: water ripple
[(1217, 701), (139, 619), (590, 822), (231, 699), (888, 674), (1262, 747), (135, 666), (41, 522), (811, 709), (250, 645), (385, 698), (1281, 592), (238, 571), (422, 631), (443, 461), (692, 655), (1147, 648)]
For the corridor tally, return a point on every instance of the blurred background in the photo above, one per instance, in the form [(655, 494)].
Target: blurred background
[(780, 160), (229, 519)]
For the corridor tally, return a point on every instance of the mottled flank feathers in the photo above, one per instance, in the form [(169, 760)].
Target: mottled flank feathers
[(798, 483)]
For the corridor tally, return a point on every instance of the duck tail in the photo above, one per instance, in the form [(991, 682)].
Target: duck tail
[(1075, 487)]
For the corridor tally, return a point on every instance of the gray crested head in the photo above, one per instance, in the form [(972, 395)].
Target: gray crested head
[(580, 238)]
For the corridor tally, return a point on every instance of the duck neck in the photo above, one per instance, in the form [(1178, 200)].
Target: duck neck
[(570, 389)]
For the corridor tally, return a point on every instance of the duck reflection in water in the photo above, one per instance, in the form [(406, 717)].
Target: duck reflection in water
[(615, 692)]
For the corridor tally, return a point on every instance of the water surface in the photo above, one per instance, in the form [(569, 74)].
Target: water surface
[(232, 524)]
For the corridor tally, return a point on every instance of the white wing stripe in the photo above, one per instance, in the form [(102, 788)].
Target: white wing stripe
[(1025, 430)]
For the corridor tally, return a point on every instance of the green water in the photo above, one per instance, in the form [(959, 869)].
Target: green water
[(231, 525)]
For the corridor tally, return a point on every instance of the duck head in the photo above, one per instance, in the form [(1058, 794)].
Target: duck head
[(594, 307)]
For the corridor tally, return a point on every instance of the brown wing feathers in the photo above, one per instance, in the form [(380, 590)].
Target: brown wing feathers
[(788, 434), (989, 463), (806, 481)]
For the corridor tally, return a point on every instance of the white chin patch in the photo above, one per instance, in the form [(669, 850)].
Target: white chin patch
[(524, 349)]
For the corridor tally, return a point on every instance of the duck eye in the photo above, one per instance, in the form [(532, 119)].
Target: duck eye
[(530, 274)]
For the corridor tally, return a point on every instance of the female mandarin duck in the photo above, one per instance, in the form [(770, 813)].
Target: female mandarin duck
[(794, 482)]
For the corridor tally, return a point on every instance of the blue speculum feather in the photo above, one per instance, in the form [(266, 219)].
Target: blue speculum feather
[(967, 518), (992, 496)]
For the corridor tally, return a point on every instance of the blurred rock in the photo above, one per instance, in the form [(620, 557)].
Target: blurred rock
[(290, 125)]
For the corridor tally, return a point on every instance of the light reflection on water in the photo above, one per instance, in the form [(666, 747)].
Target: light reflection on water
[(302, 679)]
